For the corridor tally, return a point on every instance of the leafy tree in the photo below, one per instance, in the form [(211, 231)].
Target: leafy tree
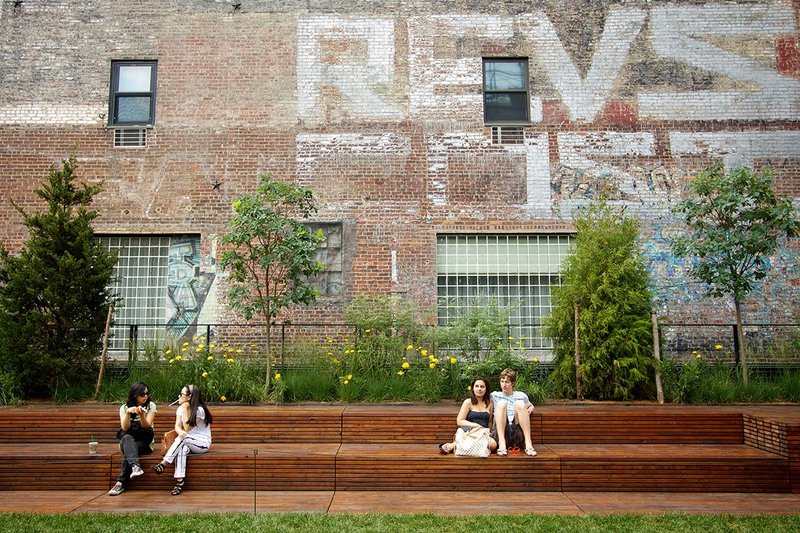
[(272, 254), (54, 294), (606, 277), (735, 221)]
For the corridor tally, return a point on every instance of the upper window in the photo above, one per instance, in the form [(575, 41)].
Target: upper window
[(505, 91), (133, 93)]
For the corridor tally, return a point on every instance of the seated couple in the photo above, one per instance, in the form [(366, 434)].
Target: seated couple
[(511, 410)]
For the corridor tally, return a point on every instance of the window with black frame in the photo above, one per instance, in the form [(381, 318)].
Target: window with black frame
[(505, 91), (133, 93)]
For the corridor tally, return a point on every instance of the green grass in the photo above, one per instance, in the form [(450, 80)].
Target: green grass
[(344, 523)]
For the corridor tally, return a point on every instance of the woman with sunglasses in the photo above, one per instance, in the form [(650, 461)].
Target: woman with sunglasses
[(476, 411), (193, 425), (135, 434)]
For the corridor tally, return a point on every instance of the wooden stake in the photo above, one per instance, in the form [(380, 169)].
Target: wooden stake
[(104, 352), (578, 391), (657, 355)]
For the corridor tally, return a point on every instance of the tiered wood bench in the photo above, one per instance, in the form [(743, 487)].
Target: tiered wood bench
[(394, 447)]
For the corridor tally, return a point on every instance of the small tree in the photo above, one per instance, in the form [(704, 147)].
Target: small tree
[(55, 293), (606, 277), (735, 221), (272, 254)]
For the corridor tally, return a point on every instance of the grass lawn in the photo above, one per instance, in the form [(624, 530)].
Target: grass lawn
[(24, 522)]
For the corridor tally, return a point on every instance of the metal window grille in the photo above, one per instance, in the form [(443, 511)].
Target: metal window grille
[(141, 274), (130, 137), (514, 271), (508, 135)]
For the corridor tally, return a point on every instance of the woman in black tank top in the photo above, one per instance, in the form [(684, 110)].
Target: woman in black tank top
[(476, 411)]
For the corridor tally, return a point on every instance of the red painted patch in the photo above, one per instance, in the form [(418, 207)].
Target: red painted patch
[(554, 112), (619, 112), (786, 49)]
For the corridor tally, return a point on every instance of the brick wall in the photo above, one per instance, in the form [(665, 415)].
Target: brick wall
[(377, 106)]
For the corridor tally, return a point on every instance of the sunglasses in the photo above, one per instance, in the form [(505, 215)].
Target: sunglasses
[(143, 394)]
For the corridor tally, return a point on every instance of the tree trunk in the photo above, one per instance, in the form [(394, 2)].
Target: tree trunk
[(269, 354), (104, 352), (740, 337), (657, 355)]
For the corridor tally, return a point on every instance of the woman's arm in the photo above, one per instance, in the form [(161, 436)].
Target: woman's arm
[(124, 419), (461, 420), (147, 420), (181, 426)]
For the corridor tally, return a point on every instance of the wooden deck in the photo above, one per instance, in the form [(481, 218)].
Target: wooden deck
[(357, 448)]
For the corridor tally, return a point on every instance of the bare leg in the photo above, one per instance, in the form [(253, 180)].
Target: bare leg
[(500, 422), (524, 420)]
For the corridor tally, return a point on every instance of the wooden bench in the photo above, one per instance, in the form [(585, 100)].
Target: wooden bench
[(394, 447)]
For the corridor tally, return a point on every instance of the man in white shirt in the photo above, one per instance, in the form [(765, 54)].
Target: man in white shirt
[(512, 414)]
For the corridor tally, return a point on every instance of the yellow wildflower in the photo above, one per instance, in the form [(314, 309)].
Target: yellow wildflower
[(183, 349), (367, 330), (230, 360), (178, 357), (718, 346), (699, 356), (405, 365), (171, 361), (168, 352), (201, 345), (424, 352), (432, 365), (222, 398), (536, 360), (205, 374), (185, 344), (346, 381), (239, 350), (336, 361), (349, 376), (210, 358), (453, 360), (400, 373), (211, 346), (410, 347), (277, 376)]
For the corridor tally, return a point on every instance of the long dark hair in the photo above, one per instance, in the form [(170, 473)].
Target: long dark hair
[(474, 398), (195, 401), (137, 389)]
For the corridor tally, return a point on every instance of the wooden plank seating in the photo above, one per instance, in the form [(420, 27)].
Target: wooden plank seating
[(394, 447)]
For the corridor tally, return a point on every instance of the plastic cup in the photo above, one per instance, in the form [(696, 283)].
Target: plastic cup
[(93, 448)]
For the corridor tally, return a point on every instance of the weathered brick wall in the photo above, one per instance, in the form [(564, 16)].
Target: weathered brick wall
[(377, 106)]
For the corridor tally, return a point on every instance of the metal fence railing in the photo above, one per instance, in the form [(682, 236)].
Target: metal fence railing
[(772, 344)]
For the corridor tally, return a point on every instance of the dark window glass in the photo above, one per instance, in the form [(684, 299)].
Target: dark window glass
[(133, 90), (505, 90)]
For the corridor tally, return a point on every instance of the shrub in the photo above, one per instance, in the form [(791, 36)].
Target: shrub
[(606, 277)]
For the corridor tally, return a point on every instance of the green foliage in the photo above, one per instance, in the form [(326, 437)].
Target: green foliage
[(606, 277), (271, 255), (478, 333), (698, 381), (735, 221), (54, 294), (9, 389)]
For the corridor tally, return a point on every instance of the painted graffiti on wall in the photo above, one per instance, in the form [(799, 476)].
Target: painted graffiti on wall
[(187, 285)]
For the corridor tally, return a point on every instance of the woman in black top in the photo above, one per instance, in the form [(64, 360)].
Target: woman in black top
[(476, 411)]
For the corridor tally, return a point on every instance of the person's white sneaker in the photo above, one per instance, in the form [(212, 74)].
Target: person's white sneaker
[(116, 490), (136, 471)]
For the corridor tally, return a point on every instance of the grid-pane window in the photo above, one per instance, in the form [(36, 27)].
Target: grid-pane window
[(514, 271), (133, 90), (505, 91), (158, 280), (329, 282)]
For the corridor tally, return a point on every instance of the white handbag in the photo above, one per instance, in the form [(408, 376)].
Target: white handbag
[(473, 443)]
